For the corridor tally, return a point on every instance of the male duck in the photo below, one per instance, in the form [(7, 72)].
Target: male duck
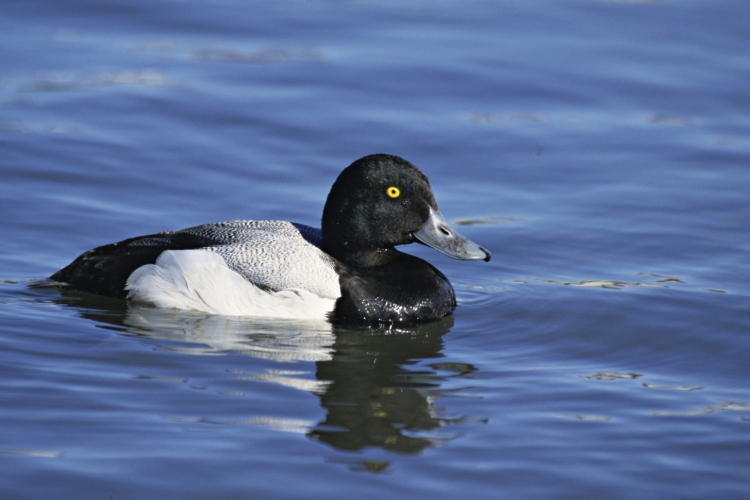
[(349, 272)]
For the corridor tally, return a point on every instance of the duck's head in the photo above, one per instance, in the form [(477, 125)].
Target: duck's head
[(380, 201)]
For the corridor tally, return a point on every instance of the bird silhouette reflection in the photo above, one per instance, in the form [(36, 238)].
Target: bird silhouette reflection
[(378, 387)]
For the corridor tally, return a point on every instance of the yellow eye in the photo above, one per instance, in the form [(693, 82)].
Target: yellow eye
[(393, 192)]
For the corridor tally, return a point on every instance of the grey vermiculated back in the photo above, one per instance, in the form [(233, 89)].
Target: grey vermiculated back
[(278, 255)]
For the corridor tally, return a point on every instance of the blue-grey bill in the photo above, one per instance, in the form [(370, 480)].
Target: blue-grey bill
[(441, 236)]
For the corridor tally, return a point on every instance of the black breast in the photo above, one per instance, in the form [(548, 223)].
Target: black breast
[(405, 291)]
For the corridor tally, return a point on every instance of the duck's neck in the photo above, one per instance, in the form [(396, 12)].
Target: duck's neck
[(366, 257)]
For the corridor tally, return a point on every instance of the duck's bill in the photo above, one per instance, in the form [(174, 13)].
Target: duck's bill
[(441, 236)]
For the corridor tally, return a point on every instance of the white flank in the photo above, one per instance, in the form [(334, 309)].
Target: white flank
[(200, 280)]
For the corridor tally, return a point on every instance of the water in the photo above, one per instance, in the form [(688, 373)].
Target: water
[(599, 149)]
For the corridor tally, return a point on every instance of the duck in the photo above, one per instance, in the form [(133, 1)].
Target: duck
[(347, 272)]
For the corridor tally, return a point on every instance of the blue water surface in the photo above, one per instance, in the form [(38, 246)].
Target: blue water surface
[(600, 149)]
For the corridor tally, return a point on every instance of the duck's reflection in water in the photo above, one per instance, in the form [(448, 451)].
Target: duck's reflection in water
[(379, 388), (378, 395), (274, 339)]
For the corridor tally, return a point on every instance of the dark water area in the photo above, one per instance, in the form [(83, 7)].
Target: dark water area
[(599, 149)]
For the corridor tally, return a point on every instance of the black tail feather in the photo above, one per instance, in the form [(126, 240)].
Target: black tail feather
[(105, 269)]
